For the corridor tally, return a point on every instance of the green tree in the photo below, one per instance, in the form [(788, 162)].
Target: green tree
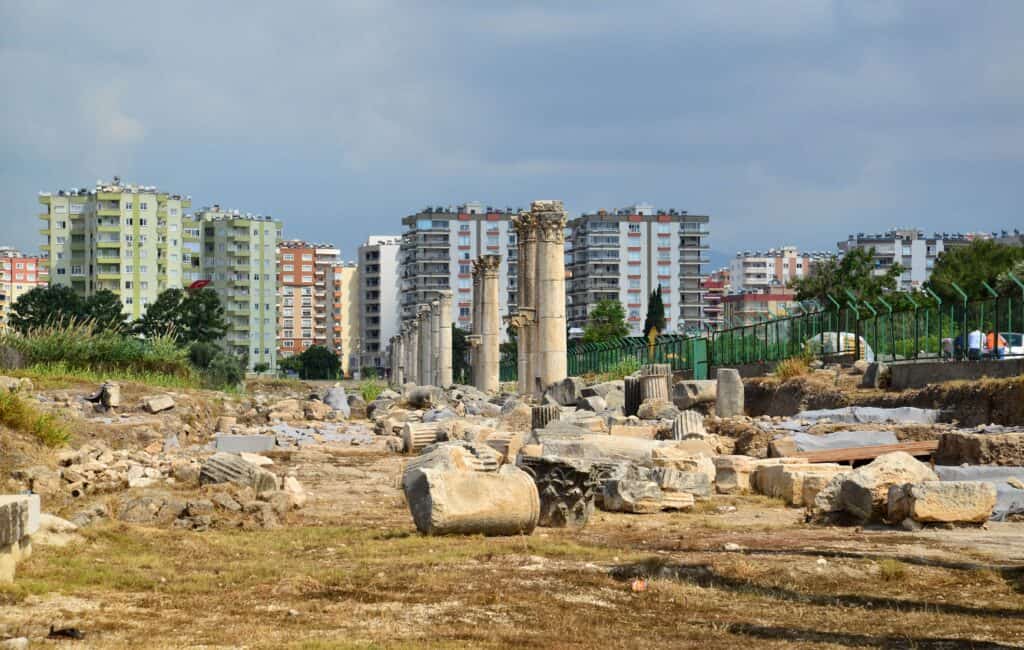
[(460, 354), (225, 369), (854, 271), (1006, 286), (655, 312), (202, 353), (104, 308), (44, 306), (163, 317), (607, 321), (317, 362), (201, 317), (983, 260)]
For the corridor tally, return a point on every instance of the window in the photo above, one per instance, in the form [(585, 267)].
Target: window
[(463, 240), (634, 283), (463, 312), (634, 227), (463, 227), (633, 256), (307, 278), (76, 269), (127, 284), (288, 267), (664, 255), (464, 269), (128, 205), (143, 205), (307, 257), (289, 334), (144, 284), (664, 228), (288, 257), (307, 267), (143, 221), (289, 278), (287, 344), (19, 265), (465, 283)]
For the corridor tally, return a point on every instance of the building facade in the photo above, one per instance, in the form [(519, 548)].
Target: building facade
[(776, 267), (437, 251), (343, 316), (133, 240), (19, 274), (716, 286), (379, 297), (306, 303), (239, 259), (624, 255), (911, 249), (753, 306)]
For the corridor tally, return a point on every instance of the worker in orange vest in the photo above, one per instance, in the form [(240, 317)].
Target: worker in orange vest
[(998, 351)]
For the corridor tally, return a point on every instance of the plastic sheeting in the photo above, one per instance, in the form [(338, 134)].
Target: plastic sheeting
[(843, 439), (872, 415), (1009, 500)]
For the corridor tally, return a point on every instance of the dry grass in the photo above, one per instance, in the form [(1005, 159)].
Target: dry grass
[(19, 414), (793, 367)]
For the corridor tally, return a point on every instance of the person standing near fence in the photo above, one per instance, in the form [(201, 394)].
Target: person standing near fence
[(974, 340), (997, 345)]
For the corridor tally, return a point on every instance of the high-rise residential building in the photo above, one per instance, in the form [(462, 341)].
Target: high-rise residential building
[(343, 314), (131, 239), (306, 302), (756, 305), (716, 286), (19, 274), (625, 254), (378, 293), (239, 259), (437, 251), (910, 248), (775, 267)]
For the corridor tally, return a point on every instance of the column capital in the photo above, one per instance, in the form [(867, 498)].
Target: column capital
[(487, 264), (525, 225)]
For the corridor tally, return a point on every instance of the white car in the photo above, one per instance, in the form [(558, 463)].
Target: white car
[(1014, 343)]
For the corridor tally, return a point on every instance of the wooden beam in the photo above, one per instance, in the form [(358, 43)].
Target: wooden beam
[(850, 454)]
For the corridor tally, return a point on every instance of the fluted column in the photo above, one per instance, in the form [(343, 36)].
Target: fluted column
[(412, 353), (423, 330), (398, 357), (550, 339), (435, 343), (526, 242), (444, 375), (490, 317)]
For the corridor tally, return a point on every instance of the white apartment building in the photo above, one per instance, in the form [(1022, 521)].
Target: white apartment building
[(909, 248), (379, 296), (625, 254), (134, 240), (775, 267), (437, 251), (239, 258)]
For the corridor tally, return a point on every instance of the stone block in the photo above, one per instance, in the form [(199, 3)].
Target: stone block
[(225, 423), (947, 502), (444, 502), (627, 495), (688, 424), (251, 443), (673, 480), (224, 468), (595, 403), (863, 492), (158, 403), (786, 481), (336, 398), (962, 447), (565, 392), (729, 398), (689, 393), (647, 432)]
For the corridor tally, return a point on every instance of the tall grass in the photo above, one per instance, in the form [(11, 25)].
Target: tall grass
[(19, 414), (59, 373), (621, 370), (793, 367), (371, 389), (81, 347)]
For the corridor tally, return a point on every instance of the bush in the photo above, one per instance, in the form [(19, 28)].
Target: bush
[(261, 367), (368, 372), (202, 353), (621, 370), (371, 390), (792, 367), (20, 415), (891, 570), (224, 371)]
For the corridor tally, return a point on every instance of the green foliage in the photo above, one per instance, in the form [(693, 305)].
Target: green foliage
[(224, 371), (261, 367), (1005, 285), (853, 272), (60, 374), (606, 322), (655, 313), (983, 260), (202, 317), (19, 414), (371, 390), (163, 316), (460, 352), (317, 362), (60, 306), (290, 364), (621, 370), (202, 353), (368, 372)]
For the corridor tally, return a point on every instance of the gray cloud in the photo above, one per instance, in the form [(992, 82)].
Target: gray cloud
[(787, 121)]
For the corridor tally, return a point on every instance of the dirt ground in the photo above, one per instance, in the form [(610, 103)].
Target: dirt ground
[(351, 571)]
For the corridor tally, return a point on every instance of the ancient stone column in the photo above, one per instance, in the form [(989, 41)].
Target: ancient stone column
[(398, 370), (490, 324), (412, 364), (417, 435), (550, 337), (444, 373), (475, 326), (541, 415), (435, 343), (631, 398), (423, 331), (526, 242)]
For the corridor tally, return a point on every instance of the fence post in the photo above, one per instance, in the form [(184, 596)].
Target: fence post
[(963, 317), (1021, 285)]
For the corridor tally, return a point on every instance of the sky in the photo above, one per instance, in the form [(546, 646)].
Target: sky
[(788, 122)]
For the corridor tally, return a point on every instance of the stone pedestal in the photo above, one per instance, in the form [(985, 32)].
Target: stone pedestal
[(654, 387), (550, 336), (729, 398), (444, 374)]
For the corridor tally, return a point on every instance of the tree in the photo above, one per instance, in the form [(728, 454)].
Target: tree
[(460, 354), (1005, 285), (202, 317), (855, 272), (655, 312), (983, 260), (45, 306), (317, 362), (607, 321), (162, 318), (105, 310)]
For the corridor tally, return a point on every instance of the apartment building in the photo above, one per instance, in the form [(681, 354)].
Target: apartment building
[(715, 286), (624, 254), (379, 296), (343, 322), (239, 259), (134, 240), (775, 267), (756, 305), (910, 248), (19, 274), (436, 252), (306, 302)]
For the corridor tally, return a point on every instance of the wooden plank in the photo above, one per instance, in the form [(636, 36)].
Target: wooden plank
[(915, 448)]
